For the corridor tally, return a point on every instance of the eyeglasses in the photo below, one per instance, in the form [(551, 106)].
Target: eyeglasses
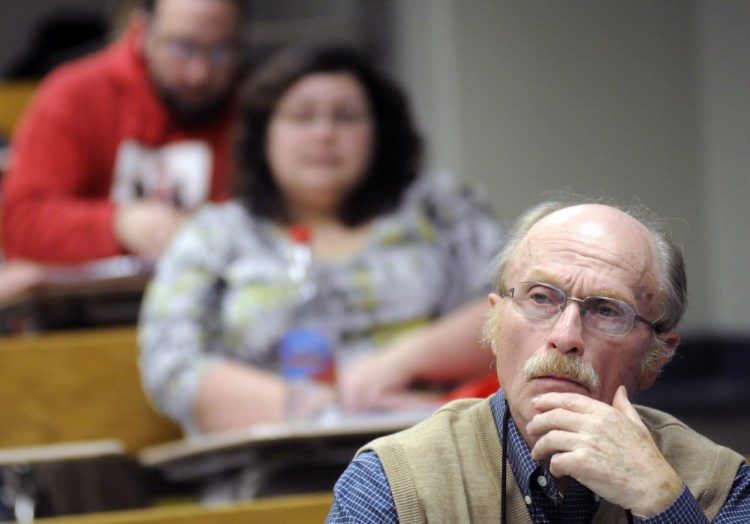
[(344, 118), (218, 56), (540, 301)]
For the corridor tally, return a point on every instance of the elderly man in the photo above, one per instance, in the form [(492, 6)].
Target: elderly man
[(115, 148), (588, 297)]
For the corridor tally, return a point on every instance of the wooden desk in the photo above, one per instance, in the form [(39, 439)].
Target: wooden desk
[(272, 459), (14, 97), (298, 509), (40, 298), (75, 386)]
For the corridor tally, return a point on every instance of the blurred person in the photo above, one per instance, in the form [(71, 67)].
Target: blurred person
[(115, 149), (587, 299), (326, 142)]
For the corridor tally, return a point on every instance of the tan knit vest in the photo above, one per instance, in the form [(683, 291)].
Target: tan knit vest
[(447, 468)]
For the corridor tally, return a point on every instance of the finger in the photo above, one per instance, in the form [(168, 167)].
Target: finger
[(621, 403), (554, 443), (557, 418), (568, 401), (609, 477), (354, 399), (356, 390)]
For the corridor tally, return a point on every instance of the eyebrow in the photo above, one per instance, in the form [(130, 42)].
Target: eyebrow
[(547, 278), (539, 275)]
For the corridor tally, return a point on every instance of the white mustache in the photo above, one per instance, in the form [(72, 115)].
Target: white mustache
[(556, 364)]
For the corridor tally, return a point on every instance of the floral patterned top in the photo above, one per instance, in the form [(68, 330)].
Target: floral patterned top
[(222, 289)]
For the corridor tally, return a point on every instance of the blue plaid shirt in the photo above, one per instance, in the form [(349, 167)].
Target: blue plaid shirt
[(362, 494)]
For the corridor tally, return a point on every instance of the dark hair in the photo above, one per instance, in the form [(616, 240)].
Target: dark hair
[(397, 149)]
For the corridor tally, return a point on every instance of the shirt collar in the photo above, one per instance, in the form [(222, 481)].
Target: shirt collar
[(531, 474)]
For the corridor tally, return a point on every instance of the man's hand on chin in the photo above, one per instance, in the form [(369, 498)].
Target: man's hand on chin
[(606, 448)]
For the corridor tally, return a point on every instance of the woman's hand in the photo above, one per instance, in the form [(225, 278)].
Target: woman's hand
[(445, 352), (381, 381)]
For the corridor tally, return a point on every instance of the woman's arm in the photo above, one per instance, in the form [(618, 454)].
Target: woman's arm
[(185, 367), (446, 351), (232, 395)]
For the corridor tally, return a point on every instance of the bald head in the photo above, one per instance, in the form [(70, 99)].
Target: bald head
[(588, 250), (631, 238)]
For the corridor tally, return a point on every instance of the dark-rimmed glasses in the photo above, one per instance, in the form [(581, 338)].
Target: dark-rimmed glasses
[(183, 51)]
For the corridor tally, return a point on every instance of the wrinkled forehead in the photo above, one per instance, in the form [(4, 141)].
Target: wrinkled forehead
[(593, 235)]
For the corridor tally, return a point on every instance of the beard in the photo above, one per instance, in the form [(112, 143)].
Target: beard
[(191, 115)]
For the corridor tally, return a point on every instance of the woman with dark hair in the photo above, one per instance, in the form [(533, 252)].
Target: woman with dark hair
[(394, 160), (399, 259)]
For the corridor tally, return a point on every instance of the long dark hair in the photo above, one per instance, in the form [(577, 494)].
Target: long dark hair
[(397, 149)]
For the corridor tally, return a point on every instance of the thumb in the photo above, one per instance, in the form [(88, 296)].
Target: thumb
[(622, 404)]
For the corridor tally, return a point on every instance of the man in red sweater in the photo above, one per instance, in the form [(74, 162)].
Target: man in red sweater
[(117, 148)]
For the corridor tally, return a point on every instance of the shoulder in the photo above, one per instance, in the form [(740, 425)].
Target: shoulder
[(365, 470), (442, 204), (460, 206), (220, 214), (94, 69), (227, 220), (99, 74), (362, 493), (426, 465), (674, 437), (432, 430), (441, 186), (80, 83), (705, 466), (213, 229)]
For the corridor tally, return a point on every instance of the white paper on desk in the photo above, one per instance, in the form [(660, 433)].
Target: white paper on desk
[(122, 266), (335, 421), (330, 424)]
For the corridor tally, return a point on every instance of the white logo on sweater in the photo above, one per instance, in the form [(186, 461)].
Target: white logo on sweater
[(178, 173)]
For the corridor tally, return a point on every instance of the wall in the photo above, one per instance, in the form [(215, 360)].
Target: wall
[(725, 126), (642, 101)]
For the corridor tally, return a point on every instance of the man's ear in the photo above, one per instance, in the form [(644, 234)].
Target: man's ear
[(139, 17), (494, 300), (138, 20), (671, 340)]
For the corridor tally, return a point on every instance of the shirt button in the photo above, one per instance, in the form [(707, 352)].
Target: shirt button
[(528, 500), (541, 480), (597, 498)]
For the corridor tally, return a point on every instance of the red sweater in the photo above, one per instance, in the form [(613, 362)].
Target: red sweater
[(88, 118)]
